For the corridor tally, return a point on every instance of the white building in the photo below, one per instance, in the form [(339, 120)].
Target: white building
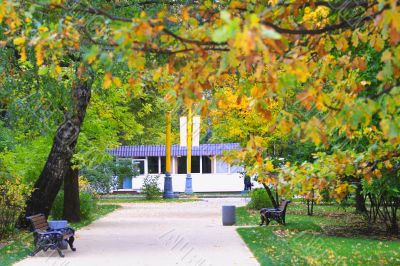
[(209, 172)]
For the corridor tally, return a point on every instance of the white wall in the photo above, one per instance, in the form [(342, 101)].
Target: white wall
[(200, 182)]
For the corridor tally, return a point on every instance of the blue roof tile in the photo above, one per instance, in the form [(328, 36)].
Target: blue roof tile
[(176, 150)]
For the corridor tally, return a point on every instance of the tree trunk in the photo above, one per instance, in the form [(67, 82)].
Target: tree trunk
[(72, 210), (310, 207), (394, 227), (269, 192), (360, 200), (58, 162)]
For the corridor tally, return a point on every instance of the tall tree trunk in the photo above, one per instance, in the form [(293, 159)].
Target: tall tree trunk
[(360, 200), (58, 162), (271, 196), (72, 210)]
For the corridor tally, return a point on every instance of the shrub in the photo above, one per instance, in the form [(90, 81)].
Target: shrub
[(87, 205), (108, 175), (58, 206), (259, 199), (13, 195), (86, 187), (150, 187)]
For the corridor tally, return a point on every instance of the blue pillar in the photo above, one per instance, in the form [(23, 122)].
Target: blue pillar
[(188, 185), (168, 192)]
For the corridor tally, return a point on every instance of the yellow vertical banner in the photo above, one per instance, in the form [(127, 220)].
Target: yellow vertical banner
[(189, 141), (168, 144)]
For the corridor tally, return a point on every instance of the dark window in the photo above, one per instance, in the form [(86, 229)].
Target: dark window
[(182, 165), (139, 165), (195, 164), (206, 164), (163, 164), (152, 165)]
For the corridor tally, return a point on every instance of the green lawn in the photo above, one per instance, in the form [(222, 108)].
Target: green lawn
[(315, 240), (22, 243)]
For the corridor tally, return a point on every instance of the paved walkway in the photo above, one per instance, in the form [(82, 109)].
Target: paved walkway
[(188, 233)]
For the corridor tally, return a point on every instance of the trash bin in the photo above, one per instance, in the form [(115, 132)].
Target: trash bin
[(228, 215)]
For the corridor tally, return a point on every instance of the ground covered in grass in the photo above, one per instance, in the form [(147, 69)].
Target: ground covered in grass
[(334, 236), (21, 244)]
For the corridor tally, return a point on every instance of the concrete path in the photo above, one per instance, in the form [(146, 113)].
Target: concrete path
[(188, 233)]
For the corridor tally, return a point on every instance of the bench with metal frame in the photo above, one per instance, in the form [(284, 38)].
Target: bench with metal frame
[(46, 238), (277, 214)]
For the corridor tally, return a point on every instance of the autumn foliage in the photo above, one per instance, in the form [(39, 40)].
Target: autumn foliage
[(321, 72)]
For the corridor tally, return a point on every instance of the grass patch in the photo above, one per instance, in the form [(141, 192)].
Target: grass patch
[(21, 244), (16, 248), (309, 240)]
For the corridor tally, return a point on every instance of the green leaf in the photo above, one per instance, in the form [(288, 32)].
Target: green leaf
[(388, 71), (389, 128), (226, 16), (221, 34), (269, 33)]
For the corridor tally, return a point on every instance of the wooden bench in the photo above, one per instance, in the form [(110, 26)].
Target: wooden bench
[(47, 238), (277, 214)]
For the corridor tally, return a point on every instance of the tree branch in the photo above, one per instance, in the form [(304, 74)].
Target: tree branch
[(97, 11), (152, 2), (384, 91), (329, 28), (335, 5)]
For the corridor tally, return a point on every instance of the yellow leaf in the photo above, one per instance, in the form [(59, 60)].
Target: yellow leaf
[(342, 44), (19, 41), (386, 56), (107, 80), (354, 39), (39, 55), (117, 81), (269, 166), (379, 43), (43, 29), (185, 14), (23, 54), (173, 18), (58, 69)]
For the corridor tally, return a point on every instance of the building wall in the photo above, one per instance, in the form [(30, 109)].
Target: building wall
[(200, 183), (224, 177)]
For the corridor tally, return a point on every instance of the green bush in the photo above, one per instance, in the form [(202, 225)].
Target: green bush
[(150, 187), (13, 195), (58, 206), (99, 176), (87, 205), (259, 199)]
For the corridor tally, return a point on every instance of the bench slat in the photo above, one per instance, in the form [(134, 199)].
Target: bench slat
[(36, 215), (39, 221), (41, 225), (38, 218), (42, 228)]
